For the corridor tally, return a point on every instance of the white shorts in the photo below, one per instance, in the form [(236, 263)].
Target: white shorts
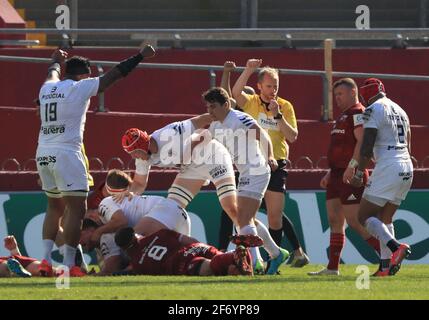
[(253, 186), (62, 172), (170, 214), (215, 164), (389, 183)]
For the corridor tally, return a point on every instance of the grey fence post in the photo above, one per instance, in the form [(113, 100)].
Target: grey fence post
[(74, 17), (422, 13), (325, 116), (244, 14), (101, 107), (253, 14), (212, 76)]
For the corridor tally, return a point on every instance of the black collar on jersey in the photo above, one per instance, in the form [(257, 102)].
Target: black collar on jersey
[(266, 104)]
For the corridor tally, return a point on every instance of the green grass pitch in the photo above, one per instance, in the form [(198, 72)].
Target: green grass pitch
[(412, 282)]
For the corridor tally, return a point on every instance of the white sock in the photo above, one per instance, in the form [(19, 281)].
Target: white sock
[(391, 229), (69, 256), (254, 251), (48, 245), (385, 252), (378, 229), (269, 244)]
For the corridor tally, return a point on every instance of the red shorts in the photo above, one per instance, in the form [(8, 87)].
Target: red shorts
[(188, 259), (24, 261), (338, 189)]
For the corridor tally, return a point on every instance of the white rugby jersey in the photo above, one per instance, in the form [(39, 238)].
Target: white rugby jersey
[(241, 142), (133, 209), (171, 141), (392, 126), (63, 106)]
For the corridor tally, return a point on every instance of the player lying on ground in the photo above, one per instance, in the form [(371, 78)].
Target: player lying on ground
[(16, 264), (147, 214), (167, 252)]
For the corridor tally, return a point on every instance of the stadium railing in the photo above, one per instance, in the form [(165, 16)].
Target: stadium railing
[(324, 75)]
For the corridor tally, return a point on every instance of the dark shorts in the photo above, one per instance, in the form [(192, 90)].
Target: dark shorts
[(188, 260), (24, 261), (278, 178), (346, 193)]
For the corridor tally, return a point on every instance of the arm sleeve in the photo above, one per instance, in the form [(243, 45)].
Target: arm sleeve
[(107, 208), (248, 103), (108, 246), (357, 120)]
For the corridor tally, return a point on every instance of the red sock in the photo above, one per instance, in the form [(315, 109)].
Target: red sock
[(219, 263), (335, 248), (373, 242)]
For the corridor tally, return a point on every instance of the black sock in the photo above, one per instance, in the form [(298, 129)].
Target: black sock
[(224, 231), (277, 235), (290, 232), (393, 245)]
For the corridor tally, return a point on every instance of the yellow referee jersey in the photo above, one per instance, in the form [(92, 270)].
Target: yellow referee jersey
[(257, 109)]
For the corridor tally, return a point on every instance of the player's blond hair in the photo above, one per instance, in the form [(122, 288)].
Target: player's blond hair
[(268, 70)]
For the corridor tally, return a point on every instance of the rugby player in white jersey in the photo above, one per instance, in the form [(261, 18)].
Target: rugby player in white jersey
[(60, 162), (180, 144), (146, 214), (254, 168), (387, 138)]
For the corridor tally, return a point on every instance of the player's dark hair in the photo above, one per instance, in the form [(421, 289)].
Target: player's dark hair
[(118, 179), (77, 65), (89, 223), (124, 237), (348, 82), (216, 94)]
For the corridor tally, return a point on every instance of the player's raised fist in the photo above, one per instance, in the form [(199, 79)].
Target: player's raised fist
[(59, 56), (253, 63), (148, 51), (10, 243), (229, 66)]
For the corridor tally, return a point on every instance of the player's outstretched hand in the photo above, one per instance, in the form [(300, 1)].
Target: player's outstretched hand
[(10, 243), (253, 64), (148, 51), (229, 66), (59, 56)]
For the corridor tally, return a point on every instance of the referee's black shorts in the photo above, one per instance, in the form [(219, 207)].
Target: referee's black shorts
[(278, 178)]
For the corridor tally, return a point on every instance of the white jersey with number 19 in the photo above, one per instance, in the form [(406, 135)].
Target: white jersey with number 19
[(63, 107)]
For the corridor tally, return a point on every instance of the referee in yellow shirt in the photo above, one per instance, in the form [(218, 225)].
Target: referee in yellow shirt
[(277, 116)]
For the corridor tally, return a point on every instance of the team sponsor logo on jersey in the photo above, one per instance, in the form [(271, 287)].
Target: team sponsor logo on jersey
[(54, 95), (367, 114), (244, 182), (218, 171), (194, 251), (267, 123), (45, 160), (340, 131), (53, 129), (406, 175), (342, 118), (358, 119)]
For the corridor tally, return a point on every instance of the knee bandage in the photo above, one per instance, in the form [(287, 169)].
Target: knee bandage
[(181, 194), (225, 190)]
